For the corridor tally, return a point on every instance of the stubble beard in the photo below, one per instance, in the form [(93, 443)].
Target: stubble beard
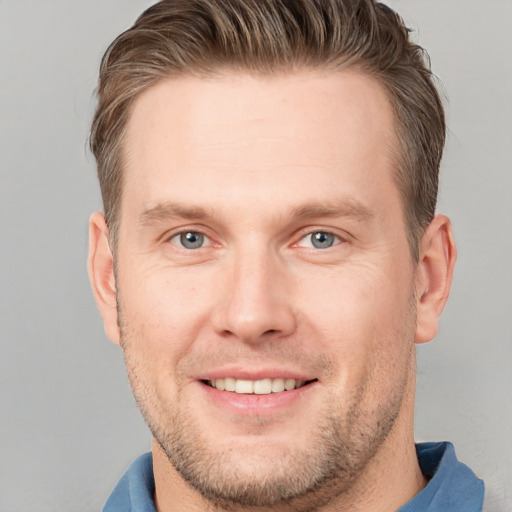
[(340, 446), (303, 480), (345, 439)]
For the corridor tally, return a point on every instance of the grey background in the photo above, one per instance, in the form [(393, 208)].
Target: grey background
[(68, 424)]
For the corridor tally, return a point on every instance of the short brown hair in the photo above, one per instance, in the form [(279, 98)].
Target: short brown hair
[(202, 37)]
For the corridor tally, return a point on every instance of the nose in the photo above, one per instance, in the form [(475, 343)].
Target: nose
[(255, 304)]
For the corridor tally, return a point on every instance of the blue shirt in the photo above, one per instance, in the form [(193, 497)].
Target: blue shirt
[(452, 486)]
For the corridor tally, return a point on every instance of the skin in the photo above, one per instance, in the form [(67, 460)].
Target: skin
[(257, 165)]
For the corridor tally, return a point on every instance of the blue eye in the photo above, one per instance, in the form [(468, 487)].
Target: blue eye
[(189, 240), (320, 240)]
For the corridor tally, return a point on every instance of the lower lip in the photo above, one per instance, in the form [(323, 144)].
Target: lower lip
[(256, 404)]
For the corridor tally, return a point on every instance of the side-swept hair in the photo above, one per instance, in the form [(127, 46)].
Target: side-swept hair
[(204, 37)]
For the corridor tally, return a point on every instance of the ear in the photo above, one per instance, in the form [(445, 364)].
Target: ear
[(434, 275), (101, 274)]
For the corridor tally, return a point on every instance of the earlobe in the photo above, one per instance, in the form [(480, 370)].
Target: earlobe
[(434, 276), (101, 274)]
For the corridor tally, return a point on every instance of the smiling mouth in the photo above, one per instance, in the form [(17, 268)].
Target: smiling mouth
[(257, 387)]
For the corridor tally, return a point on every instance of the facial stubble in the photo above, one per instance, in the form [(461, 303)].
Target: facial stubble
[(345, 438)]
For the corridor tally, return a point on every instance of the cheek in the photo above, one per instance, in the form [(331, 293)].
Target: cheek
[(361, 316), (169, 296), (161, 313), (356, 299)]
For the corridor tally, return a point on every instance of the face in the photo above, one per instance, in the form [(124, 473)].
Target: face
[(264, 281)]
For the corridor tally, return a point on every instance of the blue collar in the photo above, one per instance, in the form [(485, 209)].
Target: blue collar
[(452, 486), (135, 491)]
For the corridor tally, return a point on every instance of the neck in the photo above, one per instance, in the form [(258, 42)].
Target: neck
[(393, 476), (391, 479)]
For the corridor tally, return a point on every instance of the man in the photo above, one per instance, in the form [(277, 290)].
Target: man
[(269, 255)]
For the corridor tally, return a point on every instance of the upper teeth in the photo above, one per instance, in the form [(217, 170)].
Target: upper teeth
[(257, 387)]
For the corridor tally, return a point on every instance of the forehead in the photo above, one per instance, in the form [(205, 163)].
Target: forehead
[(239, 135)]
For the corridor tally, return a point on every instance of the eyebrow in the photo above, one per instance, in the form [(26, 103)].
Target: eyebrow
[(344, 208), (169, 210)]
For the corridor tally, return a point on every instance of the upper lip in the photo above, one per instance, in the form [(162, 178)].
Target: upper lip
[(255, 374)]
